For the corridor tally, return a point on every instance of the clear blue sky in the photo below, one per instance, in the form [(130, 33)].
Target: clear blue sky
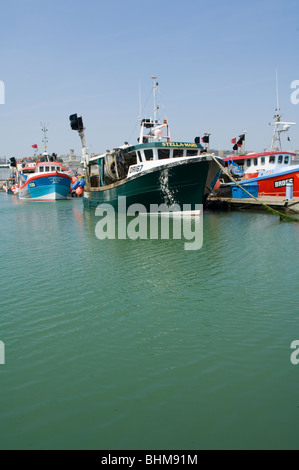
[(215, 62)]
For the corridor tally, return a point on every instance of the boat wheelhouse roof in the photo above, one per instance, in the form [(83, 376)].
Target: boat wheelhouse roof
[(150, 145), (33, 166), (49, 163), (164, 145), (256, 155)]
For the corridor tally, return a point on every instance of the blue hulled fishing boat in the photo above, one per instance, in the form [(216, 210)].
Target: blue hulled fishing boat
[(43, 180)]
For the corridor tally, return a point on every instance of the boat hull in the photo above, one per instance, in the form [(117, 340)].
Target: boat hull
[(50, 187), (275, 185), (183, 183)]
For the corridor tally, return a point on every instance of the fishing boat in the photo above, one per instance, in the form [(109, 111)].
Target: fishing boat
[(44, 179), (5, 173), (8, 176), (9, 186), (271, 171), (156, 170)]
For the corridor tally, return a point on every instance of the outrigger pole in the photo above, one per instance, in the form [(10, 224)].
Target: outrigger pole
[(77, 125)]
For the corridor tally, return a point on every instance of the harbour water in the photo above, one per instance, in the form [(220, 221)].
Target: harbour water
[(123, 344)]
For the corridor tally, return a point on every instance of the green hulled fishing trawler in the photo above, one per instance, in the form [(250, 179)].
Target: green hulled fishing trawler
[(156, 170)]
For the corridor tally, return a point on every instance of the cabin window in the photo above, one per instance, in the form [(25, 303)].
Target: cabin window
[(139, 156), (192, 153), (263, 160), (177, 153), (148, 154), (272, 159), (47, 168), (41, 169), (286, 159), (249, 162), (95, 181), (255, 161), (163, 153), (57, 169), (280, 159), (52, 168)]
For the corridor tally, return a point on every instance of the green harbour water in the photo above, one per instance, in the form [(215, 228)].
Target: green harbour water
[(142, 345)]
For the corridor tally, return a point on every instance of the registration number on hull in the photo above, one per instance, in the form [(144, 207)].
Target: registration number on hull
[(281, 183)]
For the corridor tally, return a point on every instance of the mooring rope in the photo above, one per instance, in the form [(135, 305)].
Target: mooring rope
[(284, 217)]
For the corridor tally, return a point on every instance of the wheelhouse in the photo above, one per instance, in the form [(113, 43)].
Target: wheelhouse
[(165, 150), (255, 164), (267, 161), (47, 167), (127, 160)]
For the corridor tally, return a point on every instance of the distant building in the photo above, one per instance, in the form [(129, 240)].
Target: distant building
[(72, 162), (223, 153), (72, 156)]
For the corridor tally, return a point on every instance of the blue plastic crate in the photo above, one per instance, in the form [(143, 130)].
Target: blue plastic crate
[(238, 193)]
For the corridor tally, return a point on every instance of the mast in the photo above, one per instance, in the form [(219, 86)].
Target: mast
[(277, 123), (156, 127), (276, 133), (155, 86), (277, 99), (140, 108), (45, 139)]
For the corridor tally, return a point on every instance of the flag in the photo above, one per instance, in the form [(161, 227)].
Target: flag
[(34, 146), (241, 140), (235, 147), (205, 139), (233, 141)]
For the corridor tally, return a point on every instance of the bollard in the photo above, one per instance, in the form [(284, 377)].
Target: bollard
[(289, 190)]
